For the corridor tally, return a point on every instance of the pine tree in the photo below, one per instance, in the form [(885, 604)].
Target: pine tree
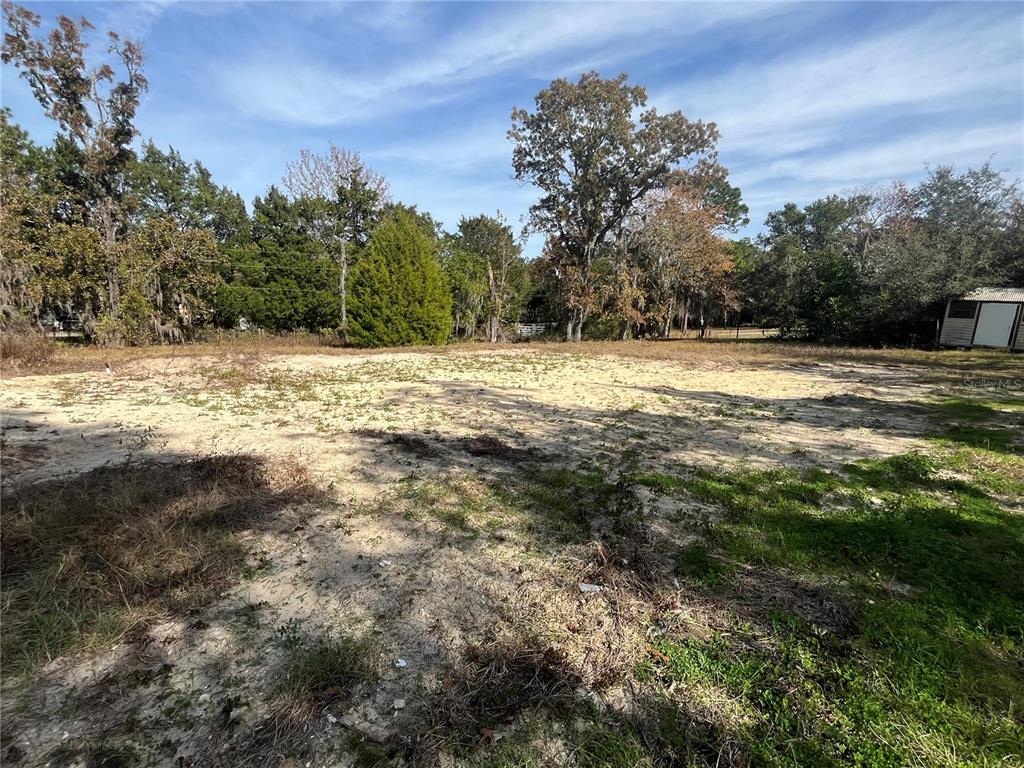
[(398, 294)]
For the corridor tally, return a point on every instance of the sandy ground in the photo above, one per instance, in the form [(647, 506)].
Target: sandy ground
[(421, 597), (573, 407)]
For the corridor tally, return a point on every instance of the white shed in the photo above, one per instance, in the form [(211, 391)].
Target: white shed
[(987, 317)]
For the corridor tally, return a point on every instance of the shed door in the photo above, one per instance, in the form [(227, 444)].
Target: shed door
[(994, 324)]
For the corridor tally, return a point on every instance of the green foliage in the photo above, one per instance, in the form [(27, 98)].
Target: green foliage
[(487, 275), (283, 280), (879, 268), (136, 312), (173, 270), (594, 160), (164, 185), (398, 294), (93, 236), (466, 273)]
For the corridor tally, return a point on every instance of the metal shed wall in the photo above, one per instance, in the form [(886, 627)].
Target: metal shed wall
[(958, 331)]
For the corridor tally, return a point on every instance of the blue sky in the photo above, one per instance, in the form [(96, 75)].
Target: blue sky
[(810, 98)]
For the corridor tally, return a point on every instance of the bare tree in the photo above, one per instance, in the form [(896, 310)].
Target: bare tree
[(341, 199)]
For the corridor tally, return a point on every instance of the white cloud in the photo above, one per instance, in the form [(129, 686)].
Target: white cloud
[(794, 104), (907, 155), (316, 92), (768, 185), (455, 152)]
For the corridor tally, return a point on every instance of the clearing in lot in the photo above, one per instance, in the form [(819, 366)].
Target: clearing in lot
[(589, 555)]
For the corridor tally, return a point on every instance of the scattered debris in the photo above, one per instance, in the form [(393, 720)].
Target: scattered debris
[(370, 730), (399, 704), (401, 664), (584, 587)]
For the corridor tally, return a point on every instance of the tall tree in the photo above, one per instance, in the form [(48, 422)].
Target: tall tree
[(341, 201), (879, 267), (284, 279), (593, 162), (95, 113), (164, 184), (26, 215), (501, 264), (467, 281)]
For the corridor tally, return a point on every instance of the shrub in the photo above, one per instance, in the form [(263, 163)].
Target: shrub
[(398, 294), (136, 311), (21, 343)]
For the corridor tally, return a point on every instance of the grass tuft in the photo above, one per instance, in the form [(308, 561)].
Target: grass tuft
[(327, 668)]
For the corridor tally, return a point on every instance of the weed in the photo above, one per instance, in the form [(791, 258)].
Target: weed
[(324, 668)]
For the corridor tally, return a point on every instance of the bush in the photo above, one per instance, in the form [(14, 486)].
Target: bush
[(26, 349), (21, 344), (398, 294), (135, 326), (107, 331)]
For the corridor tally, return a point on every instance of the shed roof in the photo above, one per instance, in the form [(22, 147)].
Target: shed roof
[(996, 294)]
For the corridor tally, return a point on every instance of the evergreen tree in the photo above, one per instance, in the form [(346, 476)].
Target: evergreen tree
[(283, 280), (398, 294)]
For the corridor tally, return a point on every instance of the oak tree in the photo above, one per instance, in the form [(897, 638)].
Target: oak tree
[(595, 149)]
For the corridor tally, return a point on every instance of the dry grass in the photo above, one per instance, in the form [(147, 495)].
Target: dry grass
[(70, 359), (723, 596), (98, 556), (25, 352), (495, 685)]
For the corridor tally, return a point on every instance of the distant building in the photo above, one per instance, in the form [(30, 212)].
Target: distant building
[(987, 317)]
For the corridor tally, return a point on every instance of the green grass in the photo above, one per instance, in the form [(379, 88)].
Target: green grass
[(563, 504), (322, 669), (933, 671), (976, 423), (545, 506), (923, 553), (696, 563)]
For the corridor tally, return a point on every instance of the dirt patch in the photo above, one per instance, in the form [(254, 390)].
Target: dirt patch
[(491, 447), (417, 446)]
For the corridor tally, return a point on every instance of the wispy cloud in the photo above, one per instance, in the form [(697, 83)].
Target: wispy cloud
[(906, 155), (797, 102), (811, 98), (459, 151), (849, 111), (311, 91)]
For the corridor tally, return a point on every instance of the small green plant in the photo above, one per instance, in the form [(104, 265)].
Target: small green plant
[(323, 668), (288, 636), (695, 563)]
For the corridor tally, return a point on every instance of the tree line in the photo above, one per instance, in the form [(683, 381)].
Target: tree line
[(131, 243)]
